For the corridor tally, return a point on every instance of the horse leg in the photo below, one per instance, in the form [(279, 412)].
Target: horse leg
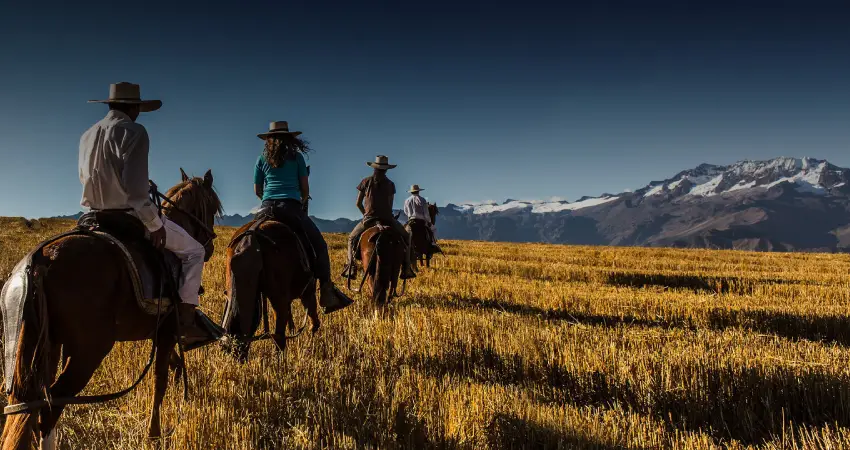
[(80, 363), (283, 316), (176, 364), (164, 349), (312, 306)]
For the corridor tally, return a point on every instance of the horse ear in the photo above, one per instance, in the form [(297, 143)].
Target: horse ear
[(208, 179), (183, 175)]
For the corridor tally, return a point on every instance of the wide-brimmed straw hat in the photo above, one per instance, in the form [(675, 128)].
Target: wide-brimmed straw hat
[(415, 188), (381, 162), (278, 128), (129, 94)]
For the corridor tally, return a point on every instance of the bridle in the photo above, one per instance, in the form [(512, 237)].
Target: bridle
[(172, 206)]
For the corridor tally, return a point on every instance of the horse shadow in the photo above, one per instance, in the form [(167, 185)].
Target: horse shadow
[(543, 314), (829, 329), (696, 283), (508, 431), (748, 404)]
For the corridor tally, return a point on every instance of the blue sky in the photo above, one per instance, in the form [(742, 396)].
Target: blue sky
[(487, 100)]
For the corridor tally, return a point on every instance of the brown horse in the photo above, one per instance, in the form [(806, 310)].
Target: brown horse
[(266, 262), (382, 254), (87, 304), (420, 237)]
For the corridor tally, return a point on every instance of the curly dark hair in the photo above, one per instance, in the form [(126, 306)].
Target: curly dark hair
[(283, 147)]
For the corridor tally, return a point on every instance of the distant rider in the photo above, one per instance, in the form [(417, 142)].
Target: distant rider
[(375, 201)]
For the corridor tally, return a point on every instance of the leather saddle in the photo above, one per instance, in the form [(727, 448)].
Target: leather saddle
[(154, 273), (382, 225), (279, 214)]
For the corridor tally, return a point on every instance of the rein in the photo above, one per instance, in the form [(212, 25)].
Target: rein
[(173, 206)]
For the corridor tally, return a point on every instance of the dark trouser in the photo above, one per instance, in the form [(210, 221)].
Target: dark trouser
[(292, 209), (362, 226)]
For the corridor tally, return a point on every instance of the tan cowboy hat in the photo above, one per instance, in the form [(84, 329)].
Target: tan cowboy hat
[(129, 93), (276, 128), (415, 188), (381, 162)]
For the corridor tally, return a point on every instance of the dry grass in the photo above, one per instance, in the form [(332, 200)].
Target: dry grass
[(508, 346)]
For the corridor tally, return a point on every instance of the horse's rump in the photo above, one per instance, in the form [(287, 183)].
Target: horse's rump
[(420, 236), (245, 267), (144, 271)]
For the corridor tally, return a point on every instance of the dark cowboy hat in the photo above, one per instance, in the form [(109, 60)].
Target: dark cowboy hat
[(278, 128), (381, 162), (129, 94)]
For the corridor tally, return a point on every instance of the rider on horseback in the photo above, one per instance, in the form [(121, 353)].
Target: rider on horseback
[(113, 168), (416, 208), (375, 202), (281, 181)]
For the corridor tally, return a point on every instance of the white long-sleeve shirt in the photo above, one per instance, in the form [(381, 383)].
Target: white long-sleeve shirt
[(416, 207), (113, 167)]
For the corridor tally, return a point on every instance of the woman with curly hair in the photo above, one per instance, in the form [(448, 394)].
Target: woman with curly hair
[(281, 181)]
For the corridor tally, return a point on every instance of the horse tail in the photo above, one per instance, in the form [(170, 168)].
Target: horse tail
[(381, 280), (32, 374)]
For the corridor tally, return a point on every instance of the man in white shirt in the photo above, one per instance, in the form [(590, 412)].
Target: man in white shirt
[(113, 165), (416, 207)]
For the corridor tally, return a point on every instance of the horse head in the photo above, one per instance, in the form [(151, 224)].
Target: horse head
[(195, 207), (433, 211)]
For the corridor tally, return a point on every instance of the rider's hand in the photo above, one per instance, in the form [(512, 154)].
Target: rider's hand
[(158, 238)]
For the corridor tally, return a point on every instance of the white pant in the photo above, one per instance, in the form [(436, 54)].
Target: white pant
[(191, 254)]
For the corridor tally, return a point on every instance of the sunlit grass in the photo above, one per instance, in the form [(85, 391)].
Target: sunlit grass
[(519, 345)]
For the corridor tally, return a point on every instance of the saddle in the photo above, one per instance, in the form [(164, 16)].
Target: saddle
[(308, 253), (373, 223), (153, 273)]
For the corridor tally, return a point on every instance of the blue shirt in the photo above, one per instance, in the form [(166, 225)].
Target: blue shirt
[(281, 182)]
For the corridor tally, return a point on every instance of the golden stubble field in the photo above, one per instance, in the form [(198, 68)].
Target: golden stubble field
[(519, 346)]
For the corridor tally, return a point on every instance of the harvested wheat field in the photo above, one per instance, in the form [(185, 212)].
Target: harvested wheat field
[(519, 346)]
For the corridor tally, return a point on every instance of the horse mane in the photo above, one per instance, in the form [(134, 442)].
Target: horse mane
[(192, 196)]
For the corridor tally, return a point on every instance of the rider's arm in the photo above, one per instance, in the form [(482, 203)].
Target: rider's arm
[(303, 178), (305, 188), (259, 177), (360, 196), (135, 179), (408, 208)]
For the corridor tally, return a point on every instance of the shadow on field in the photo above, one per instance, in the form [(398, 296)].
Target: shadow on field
[(575, 317), (696, 283), (828, 329), (507, 431), (727, 402)]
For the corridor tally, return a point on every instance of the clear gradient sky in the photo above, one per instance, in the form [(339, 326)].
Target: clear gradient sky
[(477, 102)]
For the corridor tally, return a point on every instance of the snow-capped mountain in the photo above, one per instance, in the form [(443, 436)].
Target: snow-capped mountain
[(778, 204), (803, 174)]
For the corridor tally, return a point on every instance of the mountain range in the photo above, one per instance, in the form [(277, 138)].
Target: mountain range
[(782, 204)]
